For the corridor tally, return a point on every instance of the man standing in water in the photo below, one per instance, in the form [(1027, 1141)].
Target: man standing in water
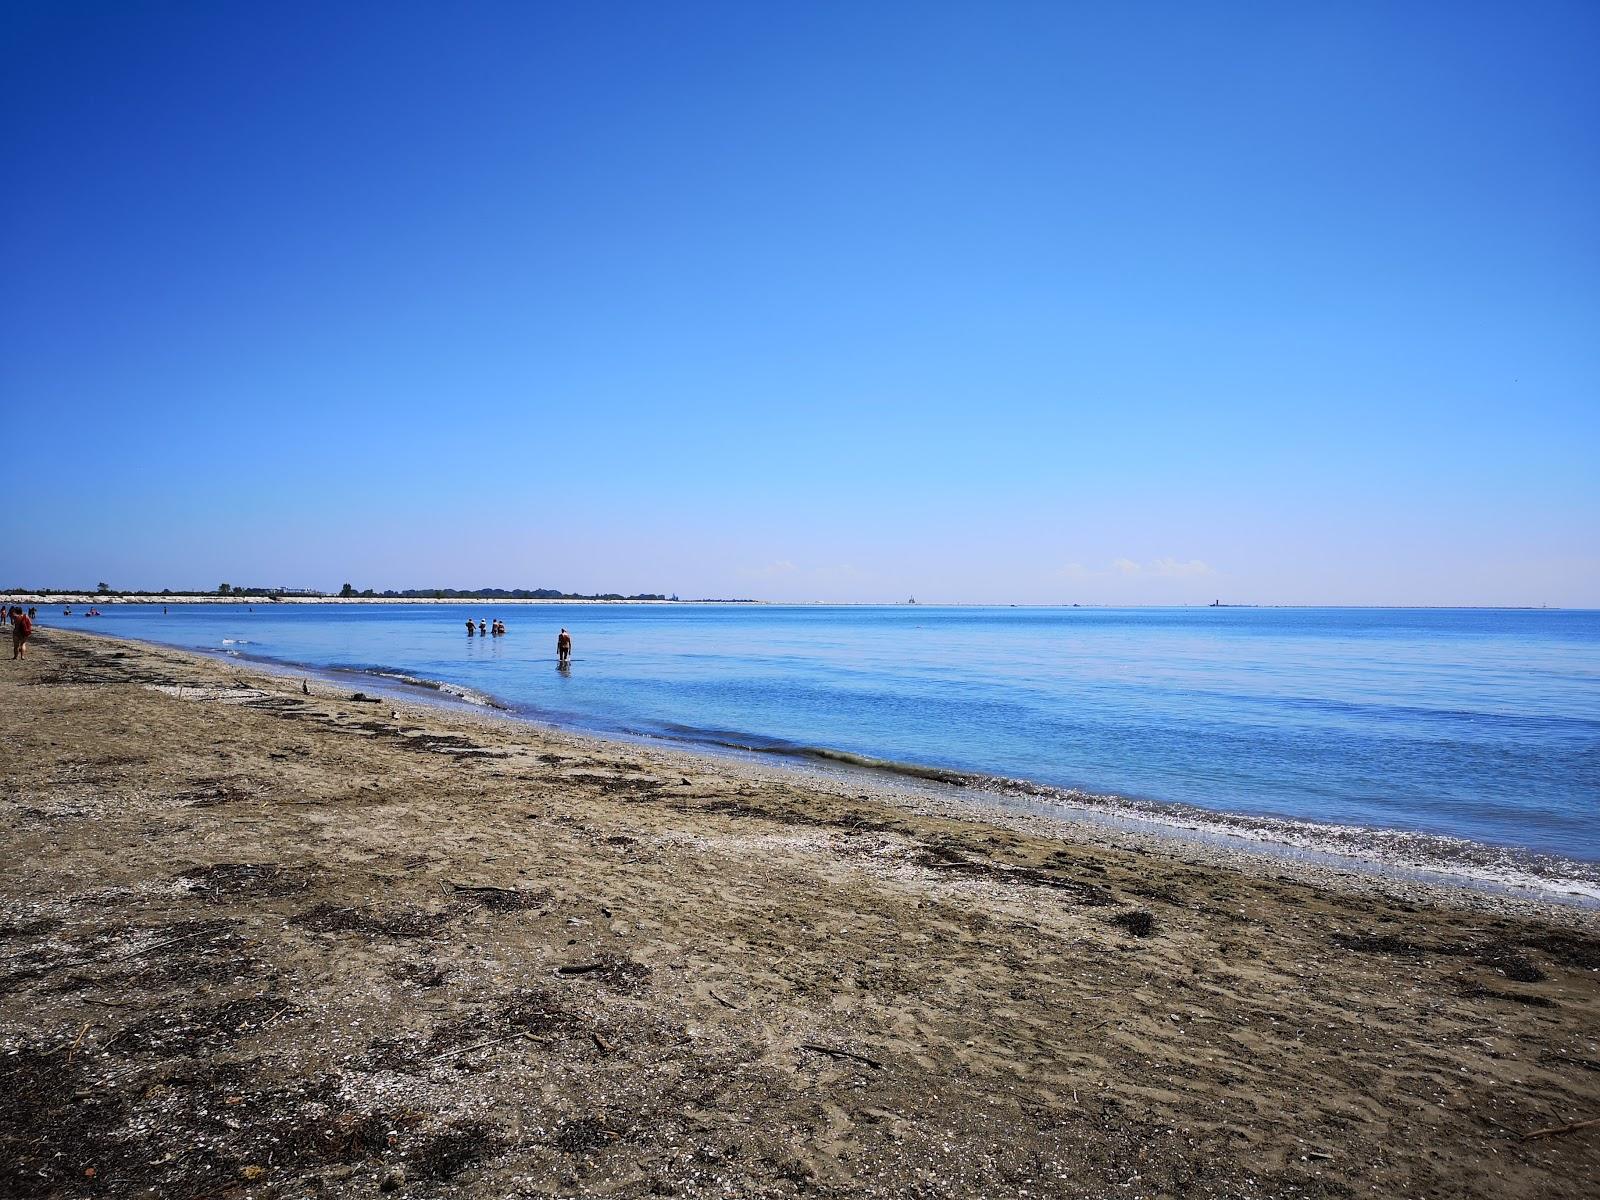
[(563, 646)]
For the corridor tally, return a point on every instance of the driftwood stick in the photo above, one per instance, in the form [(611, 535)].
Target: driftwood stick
[(81, 1034), (188, 937), (276, 1015), (1558, 1130), (835, 1053), (510, 1037)]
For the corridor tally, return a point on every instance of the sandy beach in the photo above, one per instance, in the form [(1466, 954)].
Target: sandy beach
[(261, 943)]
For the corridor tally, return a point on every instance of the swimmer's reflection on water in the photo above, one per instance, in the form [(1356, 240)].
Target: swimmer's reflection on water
[(563, 667)]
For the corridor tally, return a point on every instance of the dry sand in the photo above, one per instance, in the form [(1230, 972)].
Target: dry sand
[(263, 944)]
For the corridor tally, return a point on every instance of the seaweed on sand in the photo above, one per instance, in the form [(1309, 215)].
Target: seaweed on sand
[(51, 1122), (1501, 955), (621, 973), (581, 1135), (450, 1151), (405, 922), (946, 858), (1137, 922), (531, 1011), (200, 1030), (499, 899), (68, 1126), (222, 882), (423, 974)]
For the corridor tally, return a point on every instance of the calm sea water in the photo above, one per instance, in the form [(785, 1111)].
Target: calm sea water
[(1473, 724)]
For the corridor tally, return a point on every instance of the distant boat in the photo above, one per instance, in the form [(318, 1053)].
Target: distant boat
[(913, 600), (1215, 604)]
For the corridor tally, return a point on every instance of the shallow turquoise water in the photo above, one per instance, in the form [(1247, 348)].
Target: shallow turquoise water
[(1478, 724)]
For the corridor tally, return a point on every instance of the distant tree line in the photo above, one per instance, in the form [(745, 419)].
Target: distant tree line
[(349, 592), (502, 594)]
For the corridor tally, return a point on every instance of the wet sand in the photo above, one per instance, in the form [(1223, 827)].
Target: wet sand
[(259, 943)]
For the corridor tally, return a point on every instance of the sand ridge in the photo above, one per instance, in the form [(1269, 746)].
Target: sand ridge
[(263, 943)]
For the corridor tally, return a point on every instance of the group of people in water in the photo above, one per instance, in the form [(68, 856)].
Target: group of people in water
[(498, 629), (21, 623)]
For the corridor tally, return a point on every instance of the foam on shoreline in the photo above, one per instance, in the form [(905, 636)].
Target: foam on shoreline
[(1414, 854)]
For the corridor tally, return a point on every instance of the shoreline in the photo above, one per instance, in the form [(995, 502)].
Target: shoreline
[(254, 936), (1408, 856)]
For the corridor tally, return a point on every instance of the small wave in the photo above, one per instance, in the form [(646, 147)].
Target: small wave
[(754, 744), (455, 690), (237, 642), (887, 765)]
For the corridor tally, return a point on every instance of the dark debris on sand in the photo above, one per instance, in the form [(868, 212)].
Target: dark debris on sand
[(502, 900), (401, 922), (949, 859), (617, 972), (1503, 955), (423, 974), (533, 1011), (216, 792), (582, 1135), (199, 1030), (1136, 922), (179, 952), (222, 882), (200, 1129)]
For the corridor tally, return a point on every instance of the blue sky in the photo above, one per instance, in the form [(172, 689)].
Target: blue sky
[(1142, 303)]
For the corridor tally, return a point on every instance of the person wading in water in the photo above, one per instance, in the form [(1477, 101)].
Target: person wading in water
[(563, 646), (21, 627)]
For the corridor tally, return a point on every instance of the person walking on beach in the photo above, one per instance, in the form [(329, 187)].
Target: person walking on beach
[(563, 646), (21, 627)]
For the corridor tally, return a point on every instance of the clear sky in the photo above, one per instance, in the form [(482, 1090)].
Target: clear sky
[(1144, 302)]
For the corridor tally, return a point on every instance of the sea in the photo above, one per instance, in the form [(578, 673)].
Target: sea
[(1458, 741)]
